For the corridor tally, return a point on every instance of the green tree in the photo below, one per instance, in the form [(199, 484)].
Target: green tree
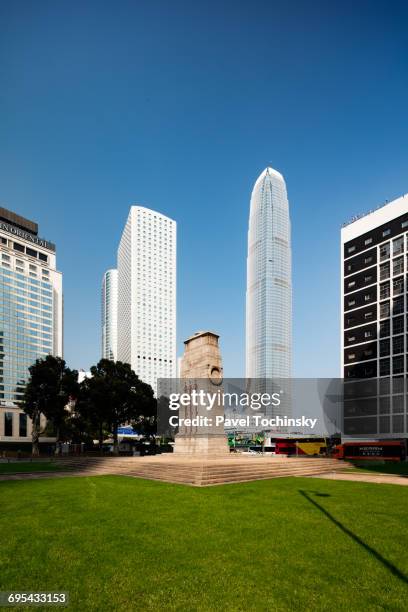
[(50, 387), (92, 411), (114, 396)]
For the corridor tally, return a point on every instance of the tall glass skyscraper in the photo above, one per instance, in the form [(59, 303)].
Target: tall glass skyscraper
[(31, 312), (269, 280), (110, 315)]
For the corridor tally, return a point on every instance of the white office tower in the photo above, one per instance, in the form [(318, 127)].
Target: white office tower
[(269, 280), (110, 315), (147, 295)]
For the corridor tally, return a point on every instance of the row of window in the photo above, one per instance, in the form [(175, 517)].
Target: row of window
[(397, 364), (385, 330), (9, 421), (155, 359), (398, 243), (30, 252), (387, 366), (9, 275), (15, 309)]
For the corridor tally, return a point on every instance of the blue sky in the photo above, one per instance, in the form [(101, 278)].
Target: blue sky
[(179, 106)]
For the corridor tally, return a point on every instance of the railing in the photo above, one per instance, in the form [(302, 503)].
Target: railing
[(373, 210)]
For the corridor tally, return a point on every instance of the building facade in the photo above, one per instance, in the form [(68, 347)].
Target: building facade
[(147, 295), (31, 316), (269, 280), (110, 315), (374, 252)]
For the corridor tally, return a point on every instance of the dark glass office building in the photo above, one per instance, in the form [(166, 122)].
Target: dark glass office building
[(374, 319)]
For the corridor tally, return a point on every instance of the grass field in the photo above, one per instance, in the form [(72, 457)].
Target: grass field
[(117, 543), (28, 466)]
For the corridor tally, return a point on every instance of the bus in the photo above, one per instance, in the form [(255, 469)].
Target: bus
[(391, 450), (311, 448)]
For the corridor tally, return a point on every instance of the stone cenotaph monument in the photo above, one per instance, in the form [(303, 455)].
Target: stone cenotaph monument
[(201, 371)]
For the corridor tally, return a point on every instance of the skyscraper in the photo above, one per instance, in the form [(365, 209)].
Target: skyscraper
[(374, 311), (269, 280), (110, 315), (31, 315), (147, 295)]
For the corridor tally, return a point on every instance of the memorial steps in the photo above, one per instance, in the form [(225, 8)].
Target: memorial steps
[(192, 470)]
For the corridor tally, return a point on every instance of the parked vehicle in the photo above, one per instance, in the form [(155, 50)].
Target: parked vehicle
[(389, 450)]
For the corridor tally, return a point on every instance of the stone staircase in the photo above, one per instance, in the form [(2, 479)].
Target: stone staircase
[(191, 471), (200, 472)]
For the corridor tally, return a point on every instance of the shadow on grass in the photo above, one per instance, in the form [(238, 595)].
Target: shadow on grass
[(387, 564)]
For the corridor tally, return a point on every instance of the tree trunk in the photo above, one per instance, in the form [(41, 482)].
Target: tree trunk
[(115, 440), (57, 440), (101, 438), (35, 435)]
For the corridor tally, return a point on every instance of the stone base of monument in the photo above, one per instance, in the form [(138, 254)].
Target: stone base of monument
[(201, 446), (202, 470)]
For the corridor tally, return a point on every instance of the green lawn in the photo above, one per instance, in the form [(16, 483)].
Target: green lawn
[(123, 544), (28, 466)]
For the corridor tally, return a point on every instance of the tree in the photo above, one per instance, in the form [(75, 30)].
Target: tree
[(92, 411), (113, 396), (50, 387)]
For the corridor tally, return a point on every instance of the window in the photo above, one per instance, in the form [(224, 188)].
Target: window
[(385, 291), (368, 241), (351, 339), (3, 240), (398, 246), (351, 356), (385, 251), (398, 345), (368, 278), (404, 224), (384, 310), (368, 260), (352, 302), (398, 305), (351, 284), (384, 347), (369, 315), (384, 367), (8, 423), (398, 325), (368, 334), (43, 256), (398, 404), (22, 426), (398, 365), (385, 405), (384, 271), (367, 297), (31, 252), (398, 266), (18, 247), (386, 232), (351, 249), (398, 285)]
